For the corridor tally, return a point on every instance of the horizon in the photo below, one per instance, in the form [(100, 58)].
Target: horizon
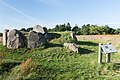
[(16, 14)]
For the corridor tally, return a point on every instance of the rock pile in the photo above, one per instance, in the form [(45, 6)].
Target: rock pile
[(14, 39)]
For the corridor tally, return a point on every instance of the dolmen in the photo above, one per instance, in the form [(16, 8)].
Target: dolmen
[(14, 39)]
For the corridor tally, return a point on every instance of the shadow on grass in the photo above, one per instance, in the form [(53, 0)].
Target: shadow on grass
[(87, 43), (51, 36), (53, 45), (45, 73), (84, 51), (7, 66), (116, 66)]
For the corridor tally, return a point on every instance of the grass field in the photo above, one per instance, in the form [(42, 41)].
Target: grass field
[(55, 62)]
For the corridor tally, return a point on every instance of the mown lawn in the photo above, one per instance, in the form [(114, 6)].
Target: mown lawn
[(55, 62)]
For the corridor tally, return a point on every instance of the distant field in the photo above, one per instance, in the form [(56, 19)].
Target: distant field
[(114, 39), (55, 62), (99, 37)]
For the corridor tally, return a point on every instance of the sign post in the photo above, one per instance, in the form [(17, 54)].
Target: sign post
[(108, 58), (100, 54), (108, 55), (107, 49)]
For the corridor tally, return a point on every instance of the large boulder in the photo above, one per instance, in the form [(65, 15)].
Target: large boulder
[(15, 39), (36, 40), (72, 47), (73, 37), (40, 29), (5, 33)]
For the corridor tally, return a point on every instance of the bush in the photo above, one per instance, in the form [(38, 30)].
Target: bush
[(65, 37)]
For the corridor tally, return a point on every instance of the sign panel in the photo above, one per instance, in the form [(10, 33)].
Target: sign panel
[(108, 48)]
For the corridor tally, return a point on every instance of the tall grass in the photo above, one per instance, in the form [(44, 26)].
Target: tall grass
[(55, 62)]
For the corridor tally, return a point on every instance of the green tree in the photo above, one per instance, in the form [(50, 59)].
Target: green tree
[(117, 31), (94, 29), (68, 27), (50, 30), (75, 29), (108, 30), (29, 29), (62, 27), (85, 29), (56, 28), (23, 29), (78, 31)]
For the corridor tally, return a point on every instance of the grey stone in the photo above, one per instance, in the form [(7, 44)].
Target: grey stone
[(73, 37), (5, 35), (36, 40), (15, 39), (72, 47), (40, 29)]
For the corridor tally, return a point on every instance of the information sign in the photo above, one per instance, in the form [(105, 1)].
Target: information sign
[(108, 48)]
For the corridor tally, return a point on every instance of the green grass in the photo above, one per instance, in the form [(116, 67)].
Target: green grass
[(55, 62)]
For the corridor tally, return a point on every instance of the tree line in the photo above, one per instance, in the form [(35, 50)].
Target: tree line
[(87, 29), (61, 27)]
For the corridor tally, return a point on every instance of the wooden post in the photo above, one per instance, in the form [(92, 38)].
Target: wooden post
[(108, 56), (5, 37), (100, 54)]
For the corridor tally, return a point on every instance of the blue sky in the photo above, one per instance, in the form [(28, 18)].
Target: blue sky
[(27, 13)]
